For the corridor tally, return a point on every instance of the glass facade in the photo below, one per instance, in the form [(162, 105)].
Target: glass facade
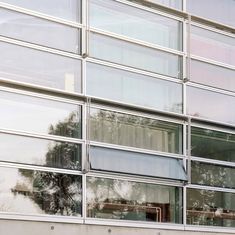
[(118, 112)]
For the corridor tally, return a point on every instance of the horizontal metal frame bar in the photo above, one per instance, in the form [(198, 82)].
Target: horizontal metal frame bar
[(39, 48), (137, 179), (136, 150), (134, 41), (42, 136), (40, 15), (213, 62), (40, 168), (210, 229), (132, 70), (210, 188)]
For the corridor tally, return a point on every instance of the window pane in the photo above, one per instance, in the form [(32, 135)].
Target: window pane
[(223, 11), (212, 45), (212, 75), (213, 175), (218, 107), (40, 68), (136, 163), (123, 86), (210, 208), (134, 55), (28, 113), (39, 31), (38, 192), (213, 144), (117, 199), (178, 4), (67, 9), (133, 22), (135, 131), (21, 149)]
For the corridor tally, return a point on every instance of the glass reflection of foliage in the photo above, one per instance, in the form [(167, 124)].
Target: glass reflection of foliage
[(135, 131), (126, 200), (54, 193), (70, 127)]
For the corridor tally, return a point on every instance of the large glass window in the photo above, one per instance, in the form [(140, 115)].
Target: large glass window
[(28, 113), (34, 151), (212, 75), (125, 200), (139, 24), (40, 68), (36, 30), (216, 106), (123, 86), (38, 192), (114, 160), (66, 9), (212, 45), (210, 208), (135, 131), (212, 144), (177, 4), (223, 11), (133, 55)]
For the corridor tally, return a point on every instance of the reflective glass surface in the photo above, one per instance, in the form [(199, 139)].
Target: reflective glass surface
[(212, 144), (135, 131), (37, 192), (210, 208), (40, 68), (66, 9), (126, 200), (212, 45), (28, 113), (216, 106), (212, 75), (126, 87), (34, 151), (39, 31), (223, 11), (135, 23), (177, 4), (213, 175), (136, 163), (134, 55)]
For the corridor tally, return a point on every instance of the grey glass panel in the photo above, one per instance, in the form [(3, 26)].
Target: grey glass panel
[(213, 175), (136, 163), (212, 45), (223, 11), (126, 200), (212, 144), (133, 22), (177, 4), (210, 208), (134, 55), (37, 192), (21, 149), (135, 131), (28, 113), (39, 31), (40, 68), (66, 9), (216, 106), (123, 86), (212, 75)]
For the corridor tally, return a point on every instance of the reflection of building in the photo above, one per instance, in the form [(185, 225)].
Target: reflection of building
[(117, 116)]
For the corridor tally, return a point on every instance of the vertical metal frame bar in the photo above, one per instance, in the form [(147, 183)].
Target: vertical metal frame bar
[(189, 48), (184, 206), (184, 5), (189, 150), (84, 214)]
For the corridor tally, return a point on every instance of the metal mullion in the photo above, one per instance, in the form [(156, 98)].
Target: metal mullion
[(210, 188), (136, 41), (40, 48), (133, 70), (184, 206), (136, 178), (189, 151), (84, 204), (40, 15), (136, 150), (184, 5), (40, 168), (213, 62)]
